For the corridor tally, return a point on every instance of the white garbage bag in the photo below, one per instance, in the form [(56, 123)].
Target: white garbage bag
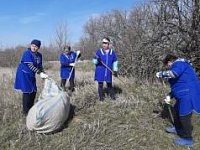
[(51, 110)]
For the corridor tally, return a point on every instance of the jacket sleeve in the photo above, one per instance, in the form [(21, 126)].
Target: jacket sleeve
[(167, 74)]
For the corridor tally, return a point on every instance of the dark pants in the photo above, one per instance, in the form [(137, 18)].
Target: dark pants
[(28, 101), (71, 84), (183, 124), (110, 91)]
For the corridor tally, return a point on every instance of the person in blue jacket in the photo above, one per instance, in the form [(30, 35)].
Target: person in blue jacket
[(68, 59), (106, 63), (185, 88), (25, 81)]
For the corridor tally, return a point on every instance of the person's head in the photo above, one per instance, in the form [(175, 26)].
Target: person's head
[(67, 48), (169, 59), (105, 43), (35, 45)]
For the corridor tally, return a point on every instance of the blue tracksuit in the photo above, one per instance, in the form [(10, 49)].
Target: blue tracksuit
[(65, 60), (101, 72), (25, 76), (185, 88)]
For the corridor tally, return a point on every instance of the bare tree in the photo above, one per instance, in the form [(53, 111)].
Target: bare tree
[(62, 35), (142, 35)]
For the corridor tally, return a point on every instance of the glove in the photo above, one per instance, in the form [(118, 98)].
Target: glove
[(167, 99), (159, 74), (72, 64), (78, 53), (115, 73), (43, 75)]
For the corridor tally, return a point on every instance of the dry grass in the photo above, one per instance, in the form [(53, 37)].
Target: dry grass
[(125, 124)]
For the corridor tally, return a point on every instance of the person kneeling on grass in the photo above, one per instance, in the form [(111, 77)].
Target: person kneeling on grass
[(185, 88)]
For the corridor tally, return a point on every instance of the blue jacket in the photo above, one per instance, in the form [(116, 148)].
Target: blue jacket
[(185, 87), (110, 59), (65, 60), (25, 77)]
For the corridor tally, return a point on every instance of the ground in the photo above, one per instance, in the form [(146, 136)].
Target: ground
[(128, 123)]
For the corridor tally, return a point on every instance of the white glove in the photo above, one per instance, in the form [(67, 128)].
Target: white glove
[(43, 75), (78, 53), (167, 99), (72, 64), (159, 74)]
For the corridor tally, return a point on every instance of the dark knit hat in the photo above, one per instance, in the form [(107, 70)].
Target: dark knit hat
[(36, 42)]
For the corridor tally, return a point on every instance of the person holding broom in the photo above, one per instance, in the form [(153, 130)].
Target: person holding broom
[(68, 59), (106, 64), (25, 81), (185, 88)]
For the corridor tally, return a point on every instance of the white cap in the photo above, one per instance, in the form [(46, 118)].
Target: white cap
[(105, 40)]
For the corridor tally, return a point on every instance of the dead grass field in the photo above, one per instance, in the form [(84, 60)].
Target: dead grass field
[(125, 124)]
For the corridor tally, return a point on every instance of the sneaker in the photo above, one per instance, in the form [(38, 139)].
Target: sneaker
[(184, 142)]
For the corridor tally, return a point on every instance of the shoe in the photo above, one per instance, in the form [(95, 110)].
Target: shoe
[(184, 142), (171, 130)]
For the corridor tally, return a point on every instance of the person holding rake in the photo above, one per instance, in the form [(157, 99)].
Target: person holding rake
[(68, 59), (106, 64), (185, 88)]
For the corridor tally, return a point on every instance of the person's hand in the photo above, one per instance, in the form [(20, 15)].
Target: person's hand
[(72, 64), (43, 75), (167, 99), (115, 73), (159, 74)]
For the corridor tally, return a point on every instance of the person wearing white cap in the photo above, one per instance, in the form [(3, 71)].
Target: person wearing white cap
[(104, 59)]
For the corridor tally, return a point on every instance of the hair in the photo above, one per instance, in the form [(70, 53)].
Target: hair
[(107, 39), (169, 57), (68, 47)]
